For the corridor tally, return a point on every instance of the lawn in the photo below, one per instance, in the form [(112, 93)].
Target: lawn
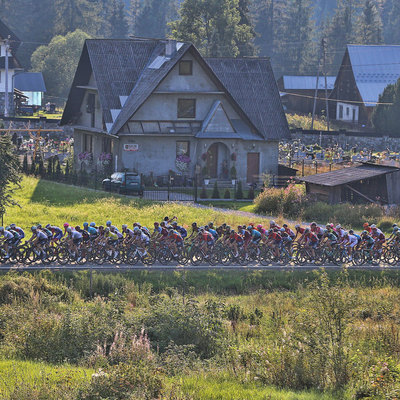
[(48, 202), (26, 380)]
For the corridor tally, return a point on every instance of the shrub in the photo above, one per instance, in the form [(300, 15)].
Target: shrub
[(250, 194), (386, 225), (124, 381), (215, 193), (185, 324), (239, 191), (227, 194), (203, 193)]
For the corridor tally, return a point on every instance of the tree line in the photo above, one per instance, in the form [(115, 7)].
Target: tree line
[(289, 32)]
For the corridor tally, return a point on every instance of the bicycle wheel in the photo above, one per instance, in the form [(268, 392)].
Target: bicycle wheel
[(63, 256), (225, 256), (196, 257), (148, 259), (390, 257), (302, 257), (358, 258)]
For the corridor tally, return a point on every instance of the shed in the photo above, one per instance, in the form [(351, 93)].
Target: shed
[(32, 85), (367, 183)]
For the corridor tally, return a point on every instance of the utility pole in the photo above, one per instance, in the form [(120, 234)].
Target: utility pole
[(326, 82), (6, 105), (316, 93)]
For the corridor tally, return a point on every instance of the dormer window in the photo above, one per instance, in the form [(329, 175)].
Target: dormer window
[(186, 67)]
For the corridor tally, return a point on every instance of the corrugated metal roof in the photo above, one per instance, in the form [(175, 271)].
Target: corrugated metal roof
[(30, 82), (348, 175), (374, 68), (307, 82)]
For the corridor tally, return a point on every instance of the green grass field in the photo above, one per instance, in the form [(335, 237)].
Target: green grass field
[(26, 379), (48, 202)]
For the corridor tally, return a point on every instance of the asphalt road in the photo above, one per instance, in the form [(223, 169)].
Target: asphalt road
[(126, 268)]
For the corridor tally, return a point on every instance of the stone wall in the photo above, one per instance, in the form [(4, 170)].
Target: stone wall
[(347, 140)]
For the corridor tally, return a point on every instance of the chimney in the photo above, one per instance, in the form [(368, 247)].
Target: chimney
[(170, 48)]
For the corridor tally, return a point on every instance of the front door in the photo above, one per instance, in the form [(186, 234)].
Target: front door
[(213, 160), (253, 167)]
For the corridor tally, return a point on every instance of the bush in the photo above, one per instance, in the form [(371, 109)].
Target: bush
[(215, 193), (124, 381), (203, 193), (239, 191), (291, 201), (227, 194), (386, 225)]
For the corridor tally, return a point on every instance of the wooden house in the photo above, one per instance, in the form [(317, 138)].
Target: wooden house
[(367, 183)]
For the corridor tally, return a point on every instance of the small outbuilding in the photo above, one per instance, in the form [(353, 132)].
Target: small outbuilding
[(367, 183), (32, 85)]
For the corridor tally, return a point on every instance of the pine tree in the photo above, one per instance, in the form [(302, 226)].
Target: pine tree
[(392, 23), (213, 26), (265, 27), (153, 18), (370, 25), (246, 33), (118, 22)]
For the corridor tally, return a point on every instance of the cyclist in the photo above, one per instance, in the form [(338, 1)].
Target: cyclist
[(157, 230), (367, 227), (129, 234), (19, 230), (274, 241), (206, 240), (39, 239), (180, 229), (85, 234), (340, 231), (17, 236), (66, 226), (212, 231), (93, 232), (329, 239), (351, 232), (56, 232), (290, 233), (316, 229), (299, 232), (378, 236), (349, 242), (9, 240), (175, 240), (74, 238), (274, 226), (311, 241), (368, 240)]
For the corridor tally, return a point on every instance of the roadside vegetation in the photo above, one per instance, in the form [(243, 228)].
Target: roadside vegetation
[(277, 335)]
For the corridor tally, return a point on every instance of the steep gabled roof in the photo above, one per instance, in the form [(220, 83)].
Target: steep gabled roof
[(252, 84), (128, 71), (374, 67), (5, 32)]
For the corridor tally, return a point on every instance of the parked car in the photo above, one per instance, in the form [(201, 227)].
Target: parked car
[(124, 182)]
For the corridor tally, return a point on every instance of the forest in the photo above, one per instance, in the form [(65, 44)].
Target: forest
[(289, 32)]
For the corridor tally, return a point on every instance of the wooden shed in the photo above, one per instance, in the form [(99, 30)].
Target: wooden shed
[(367, 183)]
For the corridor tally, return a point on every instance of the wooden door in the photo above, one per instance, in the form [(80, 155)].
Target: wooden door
[(253, 167), (213, 160)]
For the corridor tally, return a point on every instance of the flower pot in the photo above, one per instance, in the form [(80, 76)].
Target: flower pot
[(233, 181), (206, 181)]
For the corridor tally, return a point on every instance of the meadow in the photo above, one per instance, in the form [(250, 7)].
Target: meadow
[(200, 335)]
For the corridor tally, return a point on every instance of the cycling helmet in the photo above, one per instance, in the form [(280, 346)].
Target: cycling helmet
[(124, 226), (85, 224), (48, 226), (1, 229), (210, 224), (228, 228), (297, 226), (69, 229), (156, 224), (283, 230), (250, 228), (136, 229), (351, 232), (307, 230), (366, 225), (338, 226), (137, 224), (270, 231), (313, 224), (39, 226), (92, 224), (101, 228), (395, 229), (259, 226), (240, 227), (13, 226), (373, 227), (162, 224), (272, 223), (285, 225), (78, 228), (107, 230), (7, 228), (346, 234), (364, 233), (66, 225), (108, 223), (194, 224), (394, 225)]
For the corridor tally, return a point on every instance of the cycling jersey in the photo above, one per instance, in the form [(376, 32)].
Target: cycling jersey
[(176, 236), (8, 236), (238, 238), (275, 236), (110, 235), (369, 241), (331, 237), (56, 232), (351, 241), (158, 229), (290, 232), (75, 235), (144, 238), (129, 232), (119, 234), (20, 232), (256, 235), (311, 238), (207, 237), (300, 230), (41, 236), (213, 232)]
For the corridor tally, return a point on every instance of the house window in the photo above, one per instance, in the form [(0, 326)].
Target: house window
[(91, 108), (340, 112), (106, 148), (88, 143), (186, 67), (183, 148), (347, 111), (186, 108)]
